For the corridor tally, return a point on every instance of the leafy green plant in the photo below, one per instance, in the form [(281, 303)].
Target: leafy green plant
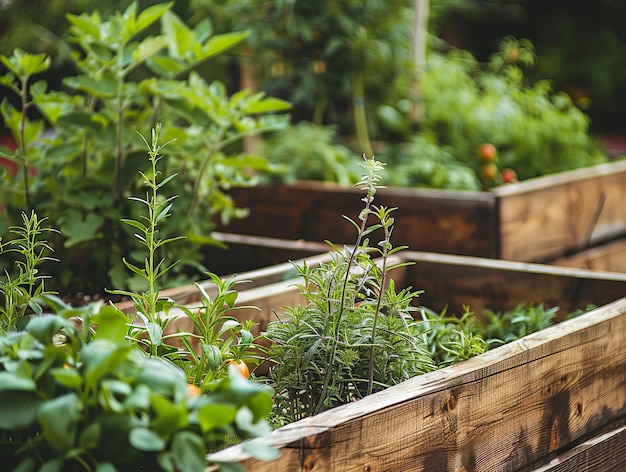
[(149, 305), (221, 339), (21, 290), (89, 389), (525, 318), (310, 151), (216, 339), (355, 334), (535, 129), (452, 339), (335, 63), (135, 68), (70, 403)]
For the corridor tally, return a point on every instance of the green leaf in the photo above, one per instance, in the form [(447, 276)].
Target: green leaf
[(164, 66), (78, 229), (188, 452), (24, 65), (43, 328), (151, 14), (162, 377), (70, 378), (155, 331), (216, 415), (256, 448), (102, 357), (112, 393), (106, 467), (148, 48), (180, 39), (18, 410), (268, 105), (104, 87), (169, 418), (85, 23), (10, 381), (59, 421), (139, 399), (112, 324), (247, 424), (145, 439), (221, 42)]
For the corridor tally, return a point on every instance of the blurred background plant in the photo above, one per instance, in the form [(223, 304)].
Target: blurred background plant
[(78, 154)]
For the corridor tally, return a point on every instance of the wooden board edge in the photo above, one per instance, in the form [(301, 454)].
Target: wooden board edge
[(534, 347)]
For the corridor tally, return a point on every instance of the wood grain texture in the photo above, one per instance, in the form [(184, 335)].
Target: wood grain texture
[(605, 452), (552, 215), (483, 283), (427, 220), (533, 220), (500, 411), (610, 257)]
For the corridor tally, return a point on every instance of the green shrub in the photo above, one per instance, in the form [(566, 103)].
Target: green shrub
[(78, 158)]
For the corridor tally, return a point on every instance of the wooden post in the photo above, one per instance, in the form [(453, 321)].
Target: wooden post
[(420, 31), (249, 79)]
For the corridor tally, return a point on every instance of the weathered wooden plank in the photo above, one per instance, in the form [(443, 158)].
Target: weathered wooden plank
[(610, 257), (189, 294), (604, 452), (249, 252), (455, 281), (533, 220), (562, 212), (502, 410), (427, 220)]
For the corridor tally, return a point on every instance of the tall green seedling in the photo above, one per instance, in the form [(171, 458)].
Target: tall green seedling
[(355, 334), (22, 290), (149, 305)]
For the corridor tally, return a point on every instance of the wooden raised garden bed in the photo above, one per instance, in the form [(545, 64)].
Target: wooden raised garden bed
[(554, 400), (447, 281), (536, 220)]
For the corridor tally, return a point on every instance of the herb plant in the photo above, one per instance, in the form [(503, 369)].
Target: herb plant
[(452, 338), (498, 328), (20, 291), (355, 334), (216, 339)]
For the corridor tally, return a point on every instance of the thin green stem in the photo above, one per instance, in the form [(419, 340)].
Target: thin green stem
[(25, 169), (119, 162), (383, 282), (203, 167), (337, 322)]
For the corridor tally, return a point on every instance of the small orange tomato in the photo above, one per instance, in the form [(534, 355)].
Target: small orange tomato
[(490, 171), (241, 367), (509, 176), (487, 152), (192, 390)]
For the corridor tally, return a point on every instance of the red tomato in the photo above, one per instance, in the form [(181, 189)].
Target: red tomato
[(487, 152), (509, 176)]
